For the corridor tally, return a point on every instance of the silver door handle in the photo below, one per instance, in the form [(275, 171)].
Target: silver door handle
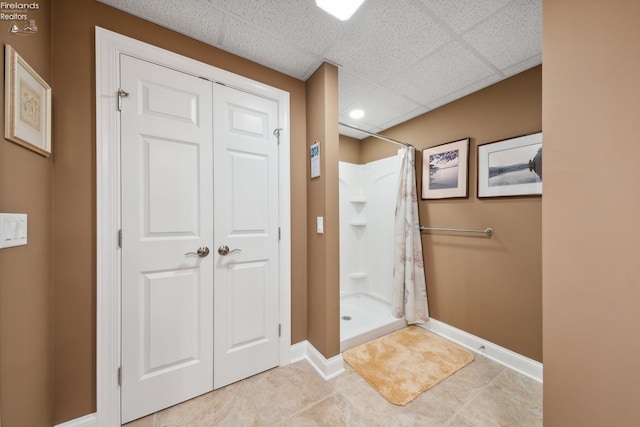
[(224, 250), (202, 252)]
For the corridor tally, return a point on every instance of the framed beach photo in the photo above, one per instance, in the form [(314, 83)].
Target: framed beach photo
[(511, 167), (445, 170), (27, 119)]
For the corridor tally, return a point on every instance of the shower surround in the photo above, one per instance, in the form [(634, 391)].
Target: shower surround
[(367, 208)]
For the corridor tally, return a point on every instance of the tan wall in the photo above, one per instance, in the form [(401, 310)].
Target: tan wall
[(372, 149), (591, 273), (74, 275), (323, 301), (349, 149), (25, 271), (491, 288)]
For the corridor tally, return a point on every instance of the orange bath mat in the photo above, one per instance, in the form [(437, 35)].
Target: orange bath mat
[(407, 362)]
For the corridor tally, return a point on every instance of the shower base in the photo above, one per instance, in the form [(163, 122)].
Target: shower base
[(363, 318)]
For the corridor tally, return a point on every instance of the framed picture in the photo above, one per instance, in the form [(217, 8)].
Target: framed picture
[(445, 170), (27, 119), (512, 167)]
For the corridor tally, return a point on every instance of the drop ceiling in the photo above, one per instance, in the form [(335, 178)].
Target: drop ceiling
[(397, 59)]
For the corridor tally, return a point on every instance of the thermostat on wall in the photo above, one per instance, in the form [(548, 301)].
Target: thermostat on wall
[(314, 154)]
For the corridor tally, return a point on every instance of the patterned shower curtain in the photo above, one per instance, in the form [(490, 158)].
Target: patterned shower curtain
[(409, 297)]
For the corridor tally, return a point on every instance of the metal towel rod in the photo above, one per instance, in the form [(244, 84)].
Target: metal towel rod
[(488, 231)]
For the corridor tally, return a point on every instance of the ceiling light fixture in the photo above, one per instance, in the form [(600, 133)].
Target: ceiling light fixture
[(341, 9), (356, 114)]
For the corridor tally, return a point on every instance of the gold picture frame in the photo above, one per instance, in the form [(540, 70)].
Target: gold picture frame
[(27, 113)]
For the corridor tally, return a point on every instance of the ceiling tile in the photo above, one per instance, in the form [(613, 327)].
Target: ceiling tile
[(355, 133), (193, 18), (523, 66), (352, 133), (294, 21), (474, 87), (461, 15), (352, 88), (397, 58), (510, 36), (249, 42), (404, 117), (382, 105), (440, 74), (385, 37)]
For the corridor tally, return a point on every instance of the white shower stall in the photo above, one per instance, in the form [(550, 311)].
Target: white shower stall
[(367, 209)]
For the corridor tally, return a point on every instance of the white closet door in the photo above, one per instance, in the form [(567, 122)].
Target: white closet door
[(246, 222), (167, 213)]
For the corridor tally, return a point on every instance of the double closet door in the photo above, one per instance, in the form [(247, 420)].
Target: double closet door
[(199, 257)]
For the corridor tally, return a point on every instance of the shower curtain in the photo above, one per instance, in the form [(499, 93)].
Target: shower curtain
[(409, 296)]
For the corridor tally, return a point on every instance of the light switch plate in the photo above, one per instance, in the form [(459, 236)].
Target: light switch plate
[(320, 225), (13, 230)]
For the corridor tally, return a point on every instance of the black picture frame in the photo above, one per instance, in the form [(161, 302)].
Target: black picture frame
[(511, 167), (445, 170)]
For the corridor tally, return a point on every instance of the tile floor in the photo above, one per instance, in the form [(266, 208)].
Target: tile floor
[(482, 394)]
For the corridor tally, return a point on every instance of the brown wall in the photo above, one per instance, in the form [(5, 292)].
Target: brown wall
[(587, 382), (591, 273), (323, 299), (349, 149), (25, 271), (74, 273), (372, 149), (489, 287)]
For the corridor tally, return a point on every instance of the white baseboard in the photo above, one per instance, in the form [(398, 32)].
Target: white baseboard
[(86, 421), (506, 357), (299, 351), (327, 368)]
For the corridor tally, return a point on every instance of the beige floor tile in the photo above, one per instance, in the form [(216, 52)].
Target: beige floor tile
[(425, 410), (527, 388), (460, 421), (334, 411), (510, 400), (230, 406), (463, 385), (345, 379), (482, 394), (142, 422), (282, 392)]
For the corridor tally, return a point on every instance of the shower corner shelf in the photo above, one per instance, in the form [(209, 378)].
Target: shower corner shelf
[(358, 200), (358, 223), (357, 275)]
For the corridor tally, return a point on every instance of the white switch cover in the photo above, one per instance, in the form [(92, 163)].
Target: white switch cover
[(13, 230), (320, 225)]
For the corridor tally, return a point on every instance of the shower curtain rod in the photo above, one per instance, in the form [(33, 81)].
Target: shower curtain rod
[(375, 135)]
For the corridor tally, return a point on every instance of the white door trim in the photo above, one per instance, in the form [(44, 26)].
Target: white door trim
[(109, 46)]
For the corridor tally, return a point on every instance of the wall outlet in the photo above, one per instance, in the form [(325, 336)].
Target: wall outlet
[(13, 230)]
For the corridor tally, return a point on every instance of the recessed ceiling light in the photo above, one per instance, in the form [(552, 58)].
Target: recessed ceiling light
[(341, 9), (356, 114)]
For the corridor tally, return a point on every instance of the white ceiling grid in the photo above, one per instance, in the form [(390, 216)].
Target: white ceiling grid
[(397, 58)]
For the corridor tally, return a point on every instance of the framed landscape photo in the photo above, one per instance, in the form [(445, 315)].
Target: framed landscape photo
[(27, 119), (512, 167), (445, 170)]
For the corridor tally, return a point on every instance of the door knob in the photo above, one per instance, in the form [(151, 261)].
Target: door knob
[(224, 250), (202, 252)]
